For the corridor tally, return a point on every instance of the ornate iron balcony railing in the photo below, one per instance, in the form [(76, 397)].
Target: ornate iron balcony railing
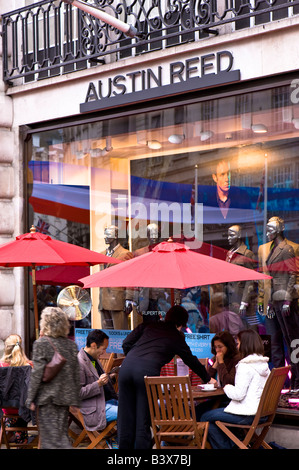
[(51, 37)]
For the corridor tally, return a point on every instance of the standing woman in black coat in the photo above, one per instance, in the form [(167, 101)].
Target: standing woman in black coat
[(147, 348)]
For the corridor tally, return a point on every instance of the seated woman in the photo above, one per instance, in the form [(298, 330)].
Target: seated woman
[(221, 368), (226, 357), (252, 372), (14, 356)]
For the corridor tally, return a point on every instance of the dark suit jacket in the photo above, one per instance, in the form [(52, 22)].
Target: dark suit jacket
[(264, 286), (155, 344), (143, 295), (239, 210), (113, 298), (282, 265), (241, 290)]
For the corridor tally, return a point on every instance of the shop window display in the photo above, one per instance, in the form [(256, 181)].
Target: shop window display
[(144, 170)]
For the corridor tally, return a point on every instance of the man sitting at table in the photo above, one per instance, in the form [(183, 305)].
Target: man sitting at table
[(99, 400)]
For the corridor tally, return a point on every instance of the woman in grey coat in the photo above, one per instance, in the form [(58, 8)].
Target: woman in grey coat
[(54, 398)]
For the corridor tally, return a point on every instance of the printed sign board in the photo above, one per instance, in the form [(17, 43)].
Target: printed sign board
[(199, 343)]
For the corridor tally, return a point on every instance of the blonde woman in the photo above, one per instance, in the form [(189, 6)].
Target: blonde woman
[(54, 398), (14, 356), (13, 353)]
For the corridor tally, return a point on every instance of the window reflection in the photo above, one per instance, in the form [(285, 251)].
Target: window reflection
[(86, 177)]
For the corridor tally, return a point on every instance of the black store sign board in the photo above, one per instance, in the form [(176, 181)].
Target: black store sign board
[(178, 77)]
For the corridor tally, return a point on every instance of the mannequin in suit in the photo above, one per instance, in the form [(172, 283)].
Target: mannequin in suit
[(279, 297), (146, 299), (240, 294), (113, 300)]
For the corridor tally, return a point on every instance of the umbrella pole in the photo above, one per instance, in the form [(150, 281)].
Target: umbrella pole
[(35, 303), (172, 296)]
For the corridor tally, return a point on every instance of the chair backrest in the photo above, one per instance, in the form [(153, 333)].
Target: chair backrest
[(106, 360), (271, 393), (170, 401), (117, 361)]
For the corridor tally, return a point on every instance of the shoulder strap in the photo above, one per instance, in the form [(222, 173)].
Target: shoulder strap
[(51, 342)]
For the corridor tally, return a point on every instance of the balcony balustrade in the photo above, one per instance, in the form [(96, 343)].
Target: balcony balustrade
[(51, 37)]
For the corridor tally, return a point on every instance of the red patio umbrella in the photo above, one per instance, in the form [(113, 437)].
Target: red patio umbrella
[(171, 265), (61, 275), (36, 249)]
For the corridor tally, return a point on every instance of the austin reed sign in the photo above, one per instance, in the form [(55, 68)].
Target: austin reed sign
[(177, 77)]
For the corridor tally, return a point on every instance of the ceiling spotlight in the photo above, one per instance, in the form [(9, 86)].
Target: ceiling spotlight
[(98, 152), (176, 138), (206, 135), (259, 128), (80, 155), (154, 144)]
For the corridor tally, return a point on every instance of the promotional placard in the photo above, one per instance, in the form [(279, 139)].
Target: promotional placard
[(199, 343)]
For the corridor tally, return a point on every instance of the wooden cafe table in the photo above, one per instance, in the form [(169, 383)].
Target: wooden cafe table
[(200, 395)]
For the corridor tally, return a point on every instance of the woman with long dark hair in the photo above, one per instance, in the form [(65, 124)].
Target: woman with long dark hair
[(226, 356), (252, 372), (221, 368)]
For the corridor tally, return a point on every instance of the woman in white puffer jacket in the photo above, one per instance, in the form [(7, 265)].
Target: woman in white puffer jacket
[(252, 372)]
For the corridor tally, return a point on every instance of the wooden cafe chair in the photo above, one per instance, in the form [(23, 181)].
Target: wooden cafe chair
[(6, 433), (264, 416), (172, 413), (106, 361), (95, 439)]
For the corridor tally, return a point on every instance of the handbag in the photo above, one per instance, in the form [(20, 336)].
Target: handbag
[(54, 366)]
